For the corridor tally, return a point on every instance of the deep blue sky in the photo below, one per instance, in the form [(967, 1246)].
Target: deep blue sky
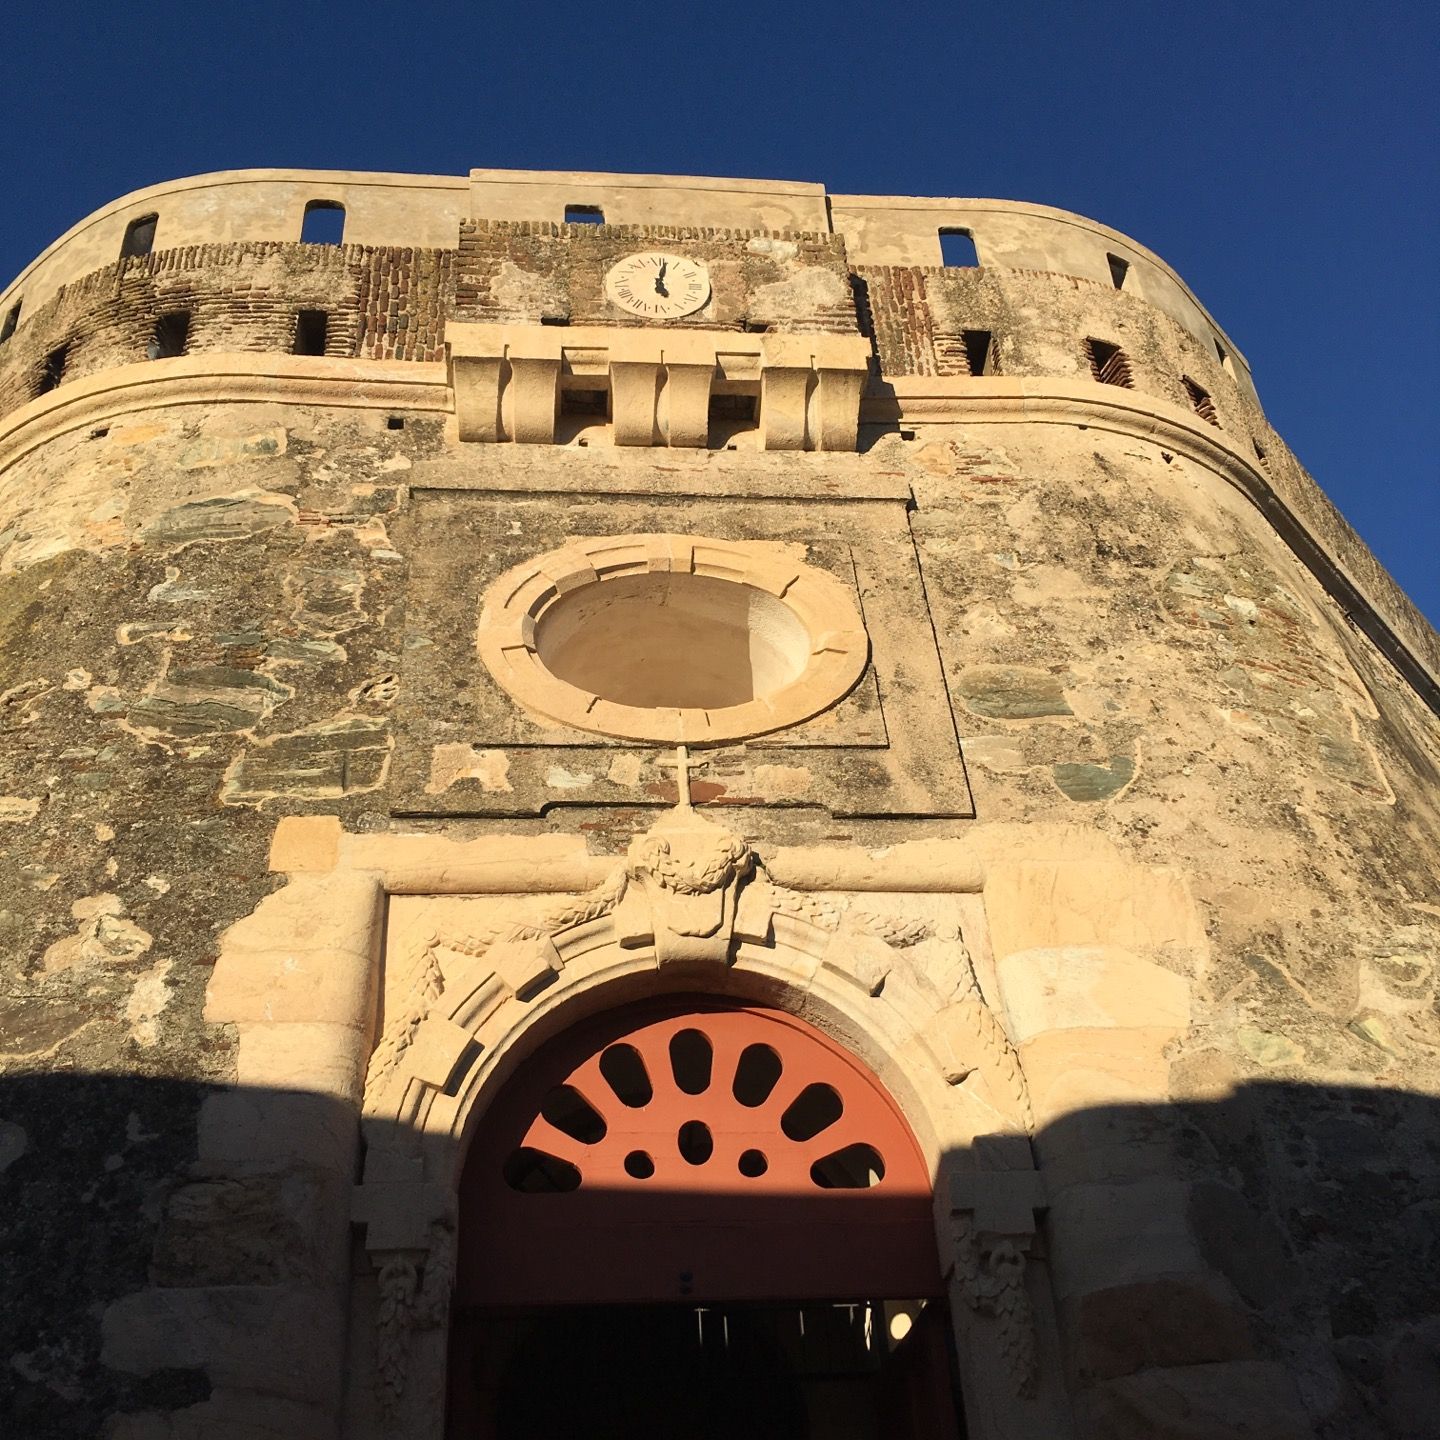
[(1282, 156)]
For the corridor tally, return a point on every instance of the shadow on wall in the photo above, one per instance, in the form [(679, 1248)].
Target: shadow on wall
[(1311, 1213)]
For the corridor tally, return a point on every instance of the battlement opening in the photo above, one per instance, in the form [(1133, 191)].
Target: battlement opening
[(139, 237), (324, 223), (171, 337), (311, 330), (957, 250)]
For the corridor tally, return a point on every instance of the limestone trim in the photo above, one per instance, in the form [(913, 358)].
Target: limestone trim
[(510, 639), (405, 386), (508, 381), (689, 908)]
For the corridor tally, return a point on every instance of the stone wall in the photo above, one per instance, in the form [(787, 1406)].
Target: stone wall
[(1189, 809)]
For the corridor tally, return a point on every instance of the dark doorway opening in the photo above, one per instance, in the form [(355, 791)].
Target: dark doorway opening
[(868, 1370)]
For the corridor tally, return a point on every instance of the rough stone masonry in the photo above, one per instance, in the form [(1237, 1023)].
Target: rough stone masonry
[(1141, 728)]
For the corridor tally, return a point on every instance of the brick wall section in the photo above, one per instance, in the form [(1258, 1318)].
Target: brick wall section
[(403, 299), (904, 337), (383, 303)]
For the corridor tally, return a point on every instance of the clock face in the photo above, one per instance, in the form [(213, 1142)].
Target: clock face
[(657, 286)]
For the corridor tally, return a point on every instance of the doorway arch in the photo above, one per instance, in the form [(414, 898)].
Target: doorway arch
[(699, 1217), (689, 910)]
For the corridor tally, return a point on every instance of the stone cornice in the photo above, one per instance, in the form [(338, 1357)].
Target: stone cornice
[(407, 386), (411, 386)]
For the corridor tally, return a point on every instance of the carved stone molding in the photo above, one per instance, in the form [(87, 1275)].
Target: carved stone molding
[(993, 1229), (414, 1289), (826, 640), (508, 381)]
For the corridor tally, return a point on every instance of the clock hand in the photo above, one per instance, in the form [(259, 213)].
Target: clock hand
[(660, 279)]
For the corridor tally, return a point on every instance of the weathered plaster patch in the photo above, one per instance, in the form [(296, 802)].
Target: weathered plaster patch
[(171, 592), (799, 296), (211, 450), (780, 782), (557, 777), (449, 764), (994, 752), (525, 293), (105, 936), (1268, 1047), (136, 631), (625, 769), (149, 997), (16, 810)]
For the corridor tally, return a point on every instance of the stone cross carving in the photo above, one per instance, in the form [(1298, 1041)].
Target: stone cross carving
[(682, 764)]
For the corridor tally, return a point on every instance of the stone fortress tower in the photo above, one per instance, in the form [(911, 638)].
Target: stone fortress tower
[(630, 793)]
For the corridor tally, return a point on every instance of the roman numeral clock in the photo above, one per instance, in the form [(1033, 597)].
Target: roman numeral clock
[(657, 286)]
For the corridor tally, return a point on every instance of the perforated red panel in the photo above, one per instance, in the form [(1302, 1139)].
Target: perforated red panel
[(705, 1154)]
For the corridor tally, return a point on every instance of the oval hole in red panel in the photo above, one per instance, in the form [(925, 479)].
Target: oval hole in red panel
[(817, 1107), (690, 1059), (625, 1073)]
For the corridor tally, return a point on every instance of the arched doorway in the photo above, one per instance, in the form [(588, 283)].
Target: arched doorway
[(698, 1219)]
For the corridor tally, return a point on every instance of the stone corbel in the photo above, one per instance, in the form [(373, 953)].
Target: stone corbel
[(993, 1231), (507, 381), (685, 404), (634, 400)]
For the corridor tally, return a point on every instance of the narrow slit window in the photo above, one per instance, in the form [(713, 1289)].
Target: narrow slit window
[(1119, 269), (172, 335), (1200, 401), (311, 327), (980, 352), (139, 237), (324, 223), (1260, 455), (1223, 355), (12, 319), (957, 250), (53, 371), (1109, 364), (584, 215)]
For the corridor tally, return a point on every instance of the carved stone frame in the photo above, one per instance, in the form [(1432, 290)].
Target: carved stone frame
[(1070, 924), (689, 910), (516, 603)]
